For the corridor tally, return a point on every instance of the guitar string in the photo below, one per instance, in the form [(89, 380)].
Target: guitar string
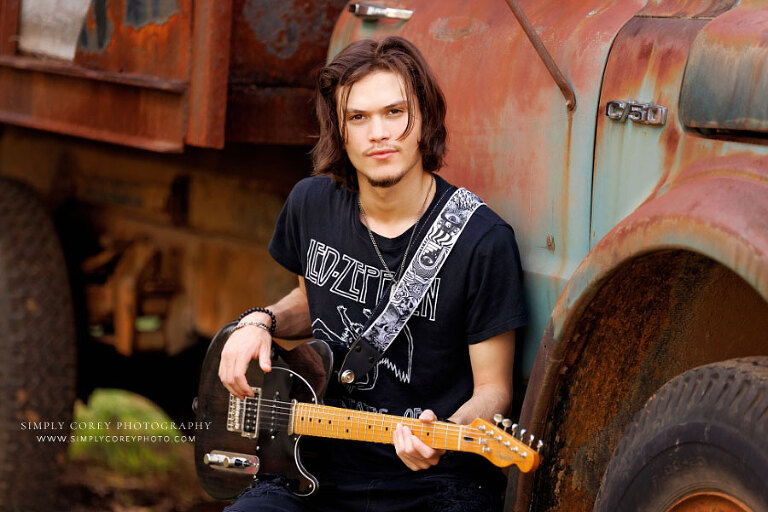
[(286, 409)]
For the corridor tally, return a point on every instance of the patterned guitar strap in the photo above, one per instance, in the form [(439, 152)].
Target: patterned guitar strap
[(429, 258)]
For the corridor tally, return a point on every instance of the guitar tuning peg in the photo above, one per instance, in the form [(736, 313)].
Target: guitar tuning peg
[(497, 418), (522, 434), (530, 440), (514, 428), (539, 445), (506, 422)]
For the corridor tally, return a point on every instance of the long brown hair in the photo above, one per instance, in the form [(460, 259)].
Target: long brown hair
[(357, 60)]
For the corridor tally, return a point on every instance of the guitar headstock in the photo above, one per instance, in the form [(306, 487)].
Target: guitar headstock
[(504, 444)]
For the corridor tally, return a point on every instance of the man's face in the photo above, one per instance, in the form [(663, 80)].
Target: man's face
[(377, 114)]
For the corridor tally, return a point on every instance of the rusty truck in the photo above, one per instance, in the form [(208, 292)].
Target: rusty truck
[(147, 147)]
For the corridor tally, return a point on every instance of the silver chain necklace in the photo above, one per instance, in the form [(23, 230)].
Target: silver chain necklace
[(388, 272)]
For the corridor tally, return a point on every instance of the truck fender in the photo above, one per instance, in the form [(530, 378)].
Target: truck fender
[(638, 311)]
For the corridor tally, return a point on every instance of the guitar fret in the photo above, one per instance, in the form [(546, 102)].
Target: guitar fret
[(339, 423)]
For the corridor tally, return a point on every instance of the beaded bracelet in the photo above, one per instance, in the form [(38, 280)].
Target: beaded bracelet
[(272, 327)]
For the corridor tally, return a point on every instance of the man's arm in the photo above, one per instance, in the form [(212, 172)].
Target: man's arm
[(492, 363), (252, 342)]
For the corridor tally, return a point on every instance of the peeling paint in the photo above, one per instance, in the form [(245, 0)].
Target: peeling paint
[(140, 13), (272, 25), (97, 30)]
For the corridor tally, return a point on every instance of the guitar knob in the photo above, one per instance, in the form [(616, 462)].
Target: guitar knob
[(539, 445), (347, 377), (522, 433), (530, 440), (506, 423), (514, 428), (497, 418)]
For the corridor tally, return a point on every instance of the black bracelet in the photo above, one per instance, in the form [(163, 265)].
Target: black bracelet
[(262, 310)]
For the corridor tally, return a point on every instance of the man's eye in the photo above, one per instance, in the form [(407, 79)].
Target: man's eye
[(355, 117), (396, 111)]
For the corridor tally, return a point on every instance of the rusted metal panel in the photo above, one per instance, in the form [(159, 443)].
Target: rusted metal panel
[(9, 26), (686, 8), (511, 137), (76, 105), (210, 71), (151, 38), (726, 79), (280, 44), (276, 49), (254, 60), (271, 115)]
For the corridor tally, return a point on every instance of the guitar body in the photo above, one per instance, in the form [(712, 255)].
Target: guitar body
[(300, 374)]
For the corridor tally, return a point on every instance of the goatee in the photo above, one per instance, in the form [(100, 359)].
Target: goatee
[(385, 182)]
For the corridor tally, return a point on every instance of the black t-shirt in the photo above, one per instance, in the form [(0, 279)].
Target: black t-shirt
[(476, 295)]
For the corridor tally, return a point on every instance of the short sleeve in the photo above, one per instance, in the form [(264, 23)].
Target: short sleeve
[(496, 301), (285, 246)]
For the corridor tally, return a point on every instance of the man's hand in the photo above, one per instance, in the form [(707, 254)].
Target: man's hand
[(244, 345), (411, 450), (252, 342)]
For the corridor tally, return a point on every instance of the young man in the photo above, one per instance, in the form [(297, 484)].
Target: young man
[(350, 232)]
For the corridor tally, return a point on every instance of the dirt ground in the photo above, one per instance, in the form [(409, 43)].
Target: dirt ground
[(89, 486)]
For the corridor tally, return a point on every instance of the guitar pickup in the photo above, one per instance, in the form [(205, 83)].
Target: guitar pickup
[(243, 414)]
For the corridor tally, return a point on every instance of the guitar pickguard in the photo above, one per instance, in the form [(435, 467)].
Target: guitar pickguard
[(259, 426)]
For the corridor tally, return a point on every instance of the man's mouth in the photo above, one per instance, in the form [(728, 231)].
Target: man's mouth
[(381, 154)]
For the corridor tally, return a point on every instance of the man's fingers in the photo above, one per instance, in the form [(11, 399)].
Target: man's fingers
[(240, 382), (427, 416), (425, 451), (412, 451), (265, 357)]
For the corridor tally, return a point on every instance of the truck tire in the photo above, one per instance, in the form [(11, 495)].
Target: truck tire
[(37, 351), (699, 444)]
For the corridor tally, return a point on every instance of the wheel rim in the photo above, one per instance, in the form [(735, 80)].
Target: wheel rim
[(709, 502)]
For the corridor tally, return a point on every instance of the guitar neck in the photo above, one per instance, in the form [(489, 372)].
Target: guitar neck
[(338, 423)]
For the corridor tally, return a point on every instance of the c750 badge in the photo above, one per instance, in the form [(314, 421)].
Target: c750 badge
[(640, 113)]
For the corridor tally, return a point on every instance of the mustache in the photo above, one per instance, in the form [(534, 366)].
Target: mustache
[(376, 149)]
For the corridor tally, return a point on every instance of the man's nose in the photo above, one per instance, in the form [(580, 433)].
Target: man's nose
[(378, 129)]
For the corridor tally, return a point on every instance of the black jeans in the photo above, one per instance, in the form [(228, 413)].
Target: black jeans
[(401, 494)]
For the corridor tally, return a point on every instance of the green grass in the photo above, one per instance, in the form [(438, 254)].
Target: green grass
[(135, 457)]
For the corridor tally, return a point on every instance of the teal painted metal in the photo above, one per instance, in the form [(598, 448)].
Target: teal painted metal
[(631, 160)]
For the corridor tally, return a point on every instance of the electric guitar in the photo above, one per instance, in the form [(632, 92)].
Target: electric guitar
[(239, 438)]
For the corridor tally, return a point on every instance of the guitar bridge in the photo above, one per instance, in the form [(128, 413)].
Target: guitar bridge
[(243, 414)]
